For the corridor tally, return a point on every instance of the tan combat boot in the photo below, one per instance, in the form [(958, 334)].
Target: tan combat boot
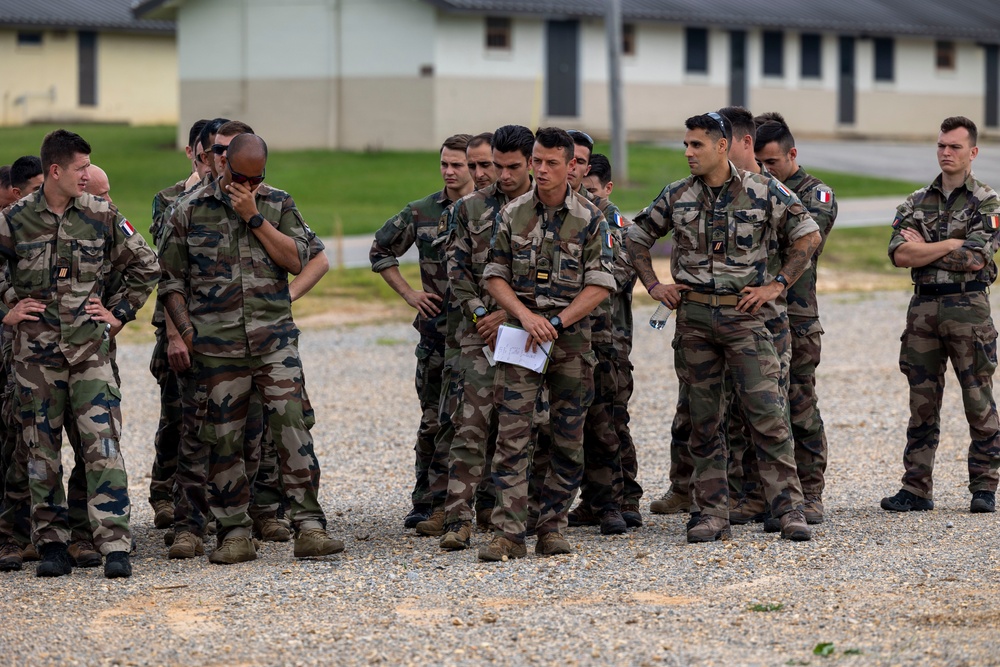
[(10, 557), (748, 508), (552, 544), (670, 503), (233, 550), (186, 545), (313, 542), (709, 529), (500, 548), (814, 509), (270, 529), (484, 518), (458, 536), (163, 513), (83, 554), (434, 526)]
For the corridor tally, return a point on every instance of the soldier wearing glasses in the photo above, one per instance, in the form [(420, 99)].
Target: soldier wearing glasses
[(226, 255), (725, 224)]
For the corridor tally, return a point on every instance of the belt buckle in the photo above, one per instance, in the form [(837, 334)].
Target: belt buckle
[(714, 301)]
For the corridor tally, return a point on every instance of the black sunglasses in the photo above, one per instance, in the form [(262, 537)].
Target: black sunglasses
[(718, 119), (219, 149), (250, 181)]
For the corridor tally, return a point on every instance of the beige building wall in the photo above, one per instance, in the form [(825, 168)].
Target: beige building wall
[(136, 79)]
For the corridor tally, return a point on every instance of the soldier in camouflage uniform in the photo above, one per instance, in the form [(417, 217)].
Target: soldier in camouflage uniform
[(168, 434), (601, 490), (599, 184), (775, 148), (60, 244), (225, 253), (548, 271), (725, 224), (947, 233), (471, 222), (418, 223)]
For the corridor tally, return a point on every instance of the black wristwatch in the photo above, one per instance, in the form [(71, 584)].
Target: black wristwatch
[(781, 279), (256, 221), (477, 313), (556, 323)]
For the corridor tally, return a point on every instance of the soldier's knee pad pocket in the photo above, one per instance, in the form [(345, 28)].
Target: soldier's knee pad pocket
[(985, 349)]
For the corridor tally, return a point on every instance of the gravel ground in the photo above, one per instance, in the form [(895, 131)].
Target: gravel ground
[(882, 589)]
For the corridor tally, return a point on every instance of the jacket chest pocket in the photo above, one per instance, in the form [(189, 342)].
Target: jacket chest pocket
[(522, 258), (687, 229), (34, 265), (480, 233), (747, 229), (207, 256), (568, 262), (89, 259)]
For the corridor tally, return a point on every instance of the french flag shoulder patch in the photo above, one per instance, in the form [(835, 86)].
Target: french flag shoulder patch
[(824, 196), (126, 227)]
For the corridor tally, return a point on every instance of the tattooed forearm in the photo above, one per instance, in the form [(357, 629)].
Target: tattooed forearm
[(960, 260), (178, 312), (799, 255), (642, 262)]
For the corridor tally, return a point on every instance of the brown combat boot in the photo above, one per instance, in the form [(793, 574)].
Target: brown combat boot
[(434, 526), (270, 529), (748, 508), (709, 529), (670, 503), (186, 545), (10, 556), (233, 550), (458, 536), (793, 527), (30, 553), (500, 548), (814, 509), (163, 513), (484, 518), (583, 515), (552, 544), (83, 554)]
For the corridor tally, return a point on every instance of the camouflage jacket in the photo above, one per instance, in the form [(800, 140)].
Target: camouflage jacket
[(971, 213), (723, 245), (548, 258), (603, 318), (819, 200), (163, 203), (236, 295), (470, 227), (65, 260), (417, 223)]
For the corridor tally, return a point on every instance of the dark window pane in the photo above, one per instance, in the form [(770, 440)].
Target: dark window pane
[(88, 69), (25, 38), (696, 46), (884, 56), (945, 55), (497, 32), (628, 39), (812, 56), (774, 53)]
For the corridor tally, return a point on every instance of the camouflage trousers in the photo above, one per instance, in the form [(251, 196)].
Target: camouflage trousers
[(631, 490), (807, 424), (708, 341), (937, 329), (429, 378), (602, 465), (744, 475), (569, 379), (86, 393), (448, 402), (475, 433), (168, 430), (224, 393)]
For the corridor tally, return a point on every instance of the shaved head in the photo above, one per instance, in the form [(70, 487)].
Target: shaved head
[(247, 146), (99, 185)]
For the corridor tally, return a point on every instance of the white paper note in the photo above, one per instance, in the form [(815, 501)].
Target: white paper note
[(510, 349)]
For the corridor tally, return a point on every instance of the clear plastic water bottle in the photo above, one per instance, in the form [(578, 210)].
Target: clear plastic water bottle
[(660, 317)]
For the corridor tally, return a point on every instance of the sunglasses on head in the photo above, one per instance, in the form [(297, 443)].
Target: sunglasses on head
[(718, 119), (250, 181), (574, 133)]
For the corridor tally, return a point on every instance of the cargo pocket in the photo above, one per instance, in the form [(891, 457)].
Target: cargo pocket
[(681, 365), (905, 366), (28, 412), (985, 352)]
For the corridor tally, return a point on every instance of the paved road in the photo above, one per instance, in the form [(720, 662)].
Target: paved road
[(906, 161)]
